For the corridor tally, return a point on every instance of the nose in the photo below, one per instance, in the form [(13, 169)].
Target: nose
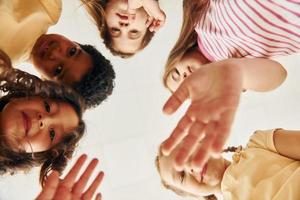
[(45, 121), (55, 53), (123, 24)]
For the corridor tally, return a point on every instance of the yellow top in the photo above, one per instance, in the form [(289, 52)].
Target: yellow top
[(22, 22), (260, 173)]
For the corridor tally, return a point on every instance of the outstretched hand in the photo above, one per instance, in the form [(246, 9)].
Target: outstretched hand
[(70, 189), (214, 91), (156, 17)]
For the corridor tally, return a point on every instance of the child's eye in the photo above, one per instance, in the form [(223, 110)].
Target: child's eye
[(52, 134), (47, 107), (72, 51), (181, 176), (175, 74), (58, 70)]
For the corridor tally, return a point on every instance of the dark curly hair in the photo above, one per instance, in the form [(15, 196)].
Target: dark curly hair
[(18, 84), (96, 9), (98, 83)]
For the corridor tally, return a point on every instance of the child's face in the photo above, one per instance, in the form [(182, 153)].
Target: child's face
[(59, 59), (189, 181), (188, 64), (127, 30), (40, 122)]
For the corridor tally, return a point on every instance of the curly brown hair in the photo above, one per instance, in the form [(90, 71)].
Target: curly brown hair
[(17, 84), (96, 9)]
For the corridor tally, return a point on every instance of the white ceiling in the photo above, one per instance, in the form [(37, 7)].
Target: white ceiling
[(125, 131)]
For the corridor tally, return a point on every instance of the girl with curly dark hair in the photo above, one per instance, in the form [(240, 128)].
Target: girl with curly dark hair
[(40, 123)]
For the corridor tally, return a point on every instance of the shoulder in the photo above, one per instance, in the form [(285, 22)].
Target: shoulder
[(53, 9)]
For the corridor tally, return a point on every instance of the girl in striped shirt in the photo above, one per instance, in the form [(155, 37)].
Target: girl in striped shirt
[(221, 29)]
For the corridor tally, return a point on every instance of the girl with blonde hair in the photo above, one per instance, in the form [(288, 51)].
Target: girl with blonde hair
[(268, 168)]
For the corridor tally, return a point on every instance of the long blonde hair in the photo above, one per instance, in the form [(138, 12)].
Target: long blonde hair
[(192, 12)]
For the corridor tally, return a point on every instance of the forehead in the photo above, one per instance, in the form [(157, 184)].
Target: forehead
[(127, 45)]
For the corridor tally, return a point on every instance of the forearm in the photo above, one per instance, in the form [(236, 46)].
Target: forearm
[(287, 143), (261, 74)]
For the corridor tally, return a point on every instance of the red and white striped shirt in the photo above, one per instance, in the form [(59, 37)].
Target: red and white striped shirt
[(249, 28)]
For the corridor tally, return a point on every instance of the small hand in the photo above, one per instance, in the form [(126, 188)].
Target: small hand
[(214, 92), (70, 189), (156, 17)]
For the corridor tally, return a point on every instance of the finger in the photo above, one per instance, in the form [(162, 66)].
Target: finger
[(177, 98), (155, 25), (98, 197), (189, 145), (69, 180), (223, 130), (49, 187), (149, 21), (176, 136), (92, 189), (159, 25), (204, 151), (81, 183), (152, 26)]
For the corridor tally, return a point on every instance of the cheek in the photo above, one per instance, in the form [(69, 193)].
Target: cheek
[(12, 126), (39, 142)]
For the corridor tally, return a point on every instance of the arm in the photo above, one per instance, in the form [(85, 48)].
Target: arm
[(259, 74), (287, 143)]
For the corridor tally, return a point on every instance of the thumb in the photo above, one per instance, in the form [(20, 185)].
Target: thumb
[(177, 98)]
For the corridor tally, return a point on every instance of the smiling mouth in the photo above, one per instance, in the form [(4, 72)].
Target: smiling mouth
[(26, 123)]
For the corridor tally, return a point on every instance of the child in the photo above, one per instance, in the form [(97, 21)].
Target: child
[(40, 123), (268, 168), (218, 31), (126, 26), (22, 38)]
